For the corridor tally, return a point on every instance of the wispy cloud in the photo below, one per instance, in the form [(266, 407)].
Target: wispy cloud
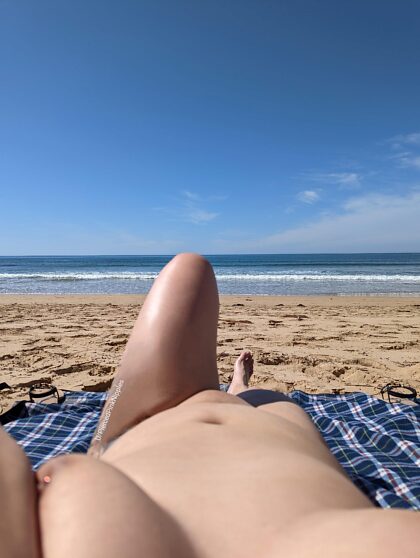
[(401, 140), (193, 210), (375, 222), (308, 196), (190, 195), (341, 179), (407, 147), (189, 208), (408, 159), (196, 216)]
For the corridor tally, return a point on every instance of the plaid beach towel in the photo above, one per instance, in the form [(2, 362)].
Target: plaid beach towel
[(377, 443)]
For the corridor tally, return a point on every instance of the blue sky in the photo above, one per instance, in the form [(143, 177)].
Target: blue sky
[(141, 127)]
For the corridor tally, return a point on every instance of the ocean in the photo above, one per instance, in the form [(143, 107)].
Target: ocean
[(275, 274)]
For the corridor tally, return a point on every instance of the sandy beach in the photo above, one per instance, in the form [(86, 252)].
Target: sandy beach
[(315, 344)]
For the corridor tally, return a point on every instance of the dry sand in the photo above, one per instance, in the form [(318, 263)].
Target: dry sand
[(316, 344)]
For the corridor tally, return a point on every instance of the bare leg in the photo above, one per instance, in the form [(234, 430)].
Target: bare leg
[(18, 522), (171, 353), (244, 367)]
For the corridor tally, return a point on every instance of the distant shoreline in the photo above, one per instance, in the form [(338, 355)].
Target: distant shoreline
[(122, 299)]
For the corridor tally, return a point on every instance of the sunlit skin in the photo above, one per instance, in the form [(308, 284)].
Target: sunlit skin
[(192, 472)]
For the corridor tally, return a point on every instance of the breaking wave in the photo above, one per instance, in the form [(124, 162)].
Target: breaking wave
[(249, 277)]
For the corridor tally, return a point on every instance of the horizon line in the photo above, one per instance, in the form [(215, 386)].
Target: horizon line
[(206, 254)]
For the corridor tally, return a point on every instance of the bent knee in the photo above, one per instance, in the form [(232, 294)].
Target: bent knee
[(191, 260)]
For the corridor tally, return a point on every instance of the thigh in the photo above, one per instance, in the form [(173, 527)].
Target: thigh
[(351, 533), (18, 520), (171, 352)]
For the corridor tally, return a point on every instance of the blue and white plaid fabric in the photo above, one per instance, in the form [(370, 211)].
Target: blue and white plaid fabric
[(377, 443), (58, 428)]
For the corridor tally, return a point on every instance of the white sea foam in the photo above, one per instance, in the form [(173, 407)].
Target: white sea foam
[(320, 277), (88, 276), (249, 277)]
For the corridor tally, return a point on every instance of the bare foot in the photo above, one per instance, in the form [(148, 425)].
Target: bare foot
[(242, 372)]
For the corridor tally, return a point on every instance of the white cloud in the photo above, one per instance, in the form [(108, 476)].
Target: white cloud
[(190, 195), (403, 143), (196, 216), (405, 139), (308, 196), (375, 222), (342, 179), (189, 209), (194, 213), (409, 160), (351, 179)]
